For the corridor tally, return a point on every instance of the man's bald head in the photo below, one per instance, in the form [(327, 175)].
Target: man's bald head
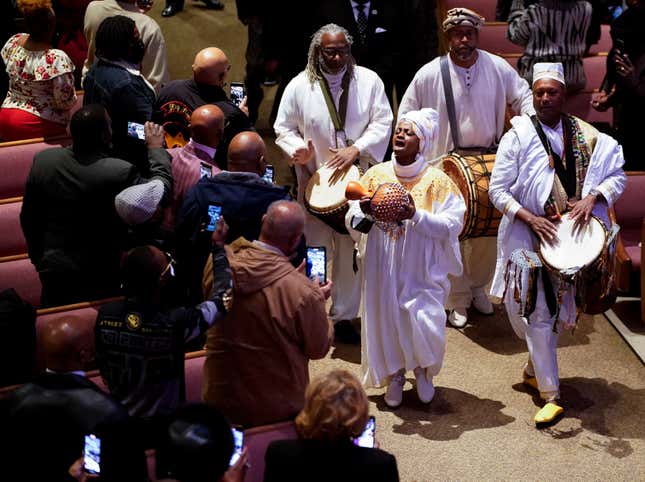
[(283, 225), (68, 344), (207, 125), (210, 67), (247, 153)]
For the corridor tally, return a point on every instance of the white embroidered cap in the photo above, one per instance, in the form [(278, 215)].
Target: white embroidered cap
[(548, 70), (136, 204)]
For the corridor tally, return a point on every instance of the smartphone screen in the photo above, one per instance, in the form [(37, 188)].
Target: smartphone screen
[(136, 130), (268, 174), (214, 213), (366, 439), (92, 454), (317, 263), (237, 92), (238, 444)]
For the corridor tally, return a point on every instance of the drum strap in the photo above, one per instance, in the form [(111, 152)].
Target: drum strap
[(450, 100), (549, 293), (337, 116)]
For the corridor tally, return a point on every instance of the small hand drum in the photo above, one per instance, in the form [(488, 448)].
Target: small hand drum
[(388, 204)]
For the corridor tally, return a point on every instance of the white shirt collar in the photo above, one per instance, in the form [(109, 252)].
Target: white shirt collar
[(269, 247), (355, 6), (207, 149), (130, 68)]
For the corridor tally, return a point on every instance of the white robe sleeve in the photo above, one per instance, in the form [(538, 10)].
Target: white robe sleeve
[(605, 172), (504, 175), (445, 222), (288, 136), (376, 137), (518, 92)]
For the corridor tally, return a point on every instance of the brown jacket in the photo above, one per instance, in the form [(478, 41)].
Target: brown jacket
[(256, 368)]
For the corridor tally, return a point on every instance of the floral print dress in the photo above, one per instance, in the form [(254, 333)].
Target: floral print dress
[(41, 82)]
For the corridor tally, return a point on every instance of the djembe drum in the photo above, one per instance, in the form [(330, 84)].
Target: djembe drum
[(471, 174)]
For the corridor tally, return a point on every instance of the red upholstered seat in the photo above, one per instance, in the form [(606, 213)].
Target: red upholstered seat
[(492, 37), (512, 59), (21, 275), (579, 104), (485, 8), (16, 159), (194, 370), (595, 68), (12, 241), (258, 439), (604, 44)]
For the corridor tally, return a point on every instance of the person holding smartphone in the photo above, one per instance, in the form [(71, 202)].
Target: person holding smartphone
[(406, 264), (624, 84), (334, 415)]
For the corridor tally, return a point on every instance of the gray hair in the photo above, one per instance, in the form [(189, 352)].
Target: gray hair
[(313, 59)]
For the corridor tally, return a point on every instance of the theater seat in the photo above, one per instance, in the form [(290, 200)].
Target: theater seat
[(18, 273), (595, 68), (492, 37), (194, 370), (258, 439), (16, 159), (604, 44), (485, 8), (579, 104), (12, 241)]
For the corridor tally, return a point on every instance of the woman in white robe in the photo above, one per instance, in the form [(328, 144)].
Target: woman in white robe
[(406, 267)]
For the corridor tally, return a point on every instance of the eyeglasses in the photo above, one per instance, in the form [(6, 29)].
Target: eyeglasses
[(332, 52), (170, 267)]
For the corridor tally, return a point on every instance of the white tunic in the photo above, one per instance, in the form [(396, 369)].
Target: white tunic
[(405, 280), (481, 94), (522, 177), (303, 115)]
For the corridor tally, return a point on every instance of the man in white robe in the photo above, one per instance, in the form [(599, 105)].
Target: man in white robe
[(483, 85), (310, 138), (406, 266), (525, 187)]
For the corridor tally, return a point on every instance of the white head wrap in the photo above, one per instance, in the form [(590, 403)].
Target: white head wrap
[(136, 204), (456, 17), (548, 70), (425, 123)]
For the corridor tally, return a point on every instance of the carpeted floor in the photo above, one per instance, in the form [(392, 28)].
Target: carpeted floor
[(479, 426)]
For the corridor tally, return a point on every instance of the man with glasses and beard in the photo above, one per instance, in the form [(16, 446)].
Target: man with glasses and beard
[(336, 114), (472, 117)]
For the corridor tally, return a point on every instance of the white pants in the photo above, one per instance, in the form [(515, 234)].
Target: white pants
[(479, 256), (346, 290), (541, 341)]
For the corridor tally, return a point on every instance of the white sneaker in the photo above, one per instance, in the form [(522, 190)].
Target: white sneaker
[(458, 317), (394, 394), (483, 304), (425, 388)]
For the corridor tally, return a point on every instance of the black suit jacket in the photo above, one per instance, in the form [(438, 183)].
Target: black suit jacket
[(313, 460), (44, 423)]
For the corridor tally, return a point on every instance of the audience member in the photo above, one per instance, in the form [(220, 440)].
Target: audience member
[(174, 6), (140, 343), (179, 98), (335, 412), (41, 79), (69, 33), (197, 158), (198, 445), (7, 29), (551, 31), (74, 235), (257, 362), (154, 65), (115, 83), (44, 422), (244, 197), (624, 85)]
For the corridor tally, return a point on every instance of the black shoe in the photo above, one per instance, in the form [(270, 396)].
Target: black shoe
[(345, 332), (214, 4), (170, 10)]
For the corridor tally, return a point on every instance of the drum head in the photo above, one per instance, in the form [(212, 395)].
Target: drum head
[(322, 195), (574, 249)]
